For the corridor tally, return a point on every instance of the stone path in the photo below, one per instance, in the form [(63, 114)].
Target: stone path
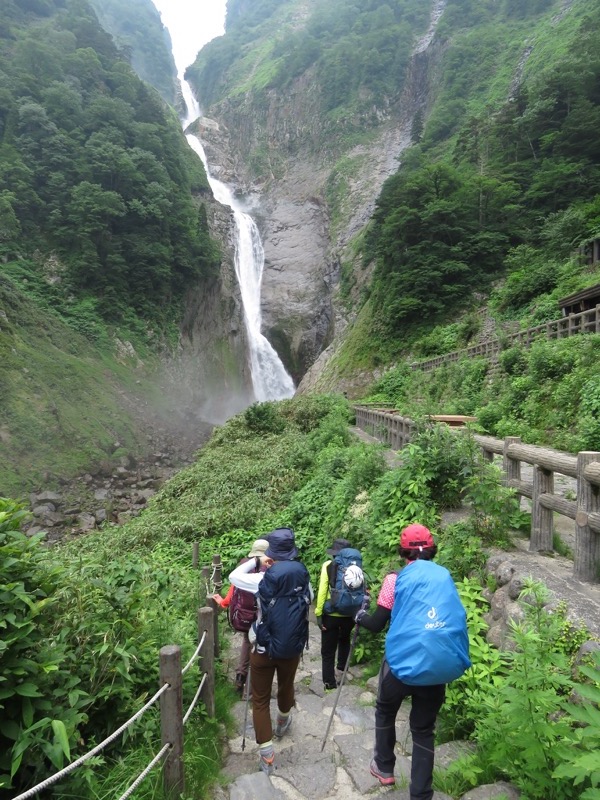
[(302, 769)]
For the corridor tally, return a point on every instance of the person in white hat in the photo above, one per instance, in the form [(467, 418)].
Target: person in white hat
[(242, 613)]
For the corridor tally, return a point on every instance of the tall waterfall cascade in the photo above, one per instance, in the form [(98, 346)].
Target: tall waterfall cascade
[(269, 378)]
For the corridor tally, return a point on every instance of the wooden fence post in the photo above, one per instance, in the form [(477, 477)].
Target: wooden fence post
[(205, 583), (587, 542), (195, 554), (171, 719), (511, 466), (542, 521), (207, 658), (217, 586)]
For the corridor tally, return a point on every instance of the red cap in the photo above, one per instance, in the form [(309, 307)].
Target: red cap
[(416, 537)]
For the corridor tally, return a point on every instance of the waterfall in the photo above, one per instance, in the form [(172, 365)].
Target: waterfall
[(270, 381)]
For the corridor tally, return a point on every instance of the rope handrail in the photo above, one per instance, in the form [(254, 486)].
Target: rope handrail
[(195, 700), (64, 772), (196, 654), (144, 774)]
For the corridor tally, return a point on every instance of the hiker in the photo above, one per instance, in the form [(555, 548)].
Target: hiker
[(279, 635), (335, 618), (242, 613), (426, 646)]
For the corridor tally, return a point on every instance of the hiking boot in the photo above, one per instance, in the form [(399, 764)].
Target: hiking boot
[(331, 687), (339, 673), (266, 762), (240, 680), (283, 726), (384, 778)]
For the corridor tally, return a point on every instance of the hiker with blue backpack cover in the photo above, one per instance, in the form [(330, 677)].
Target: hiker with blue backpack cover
[(278, 636), (339, 597), (426, 647)]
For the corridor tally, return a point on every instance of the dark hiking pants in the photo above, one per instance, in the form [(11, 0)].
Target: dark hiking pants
[(335, 639), (426, 702)]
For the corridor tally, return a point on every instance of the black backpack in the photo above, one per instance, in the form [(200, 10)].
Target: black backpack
[(284, 598), (345, 599)]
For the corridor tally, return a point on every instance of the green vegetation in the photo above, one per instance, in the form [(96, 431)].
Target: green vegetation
[(547, 394), (62, 389), (96, 178), (79, 656), (102, 232), (501, 186), (139, 33), (84, 621), (355, 52)]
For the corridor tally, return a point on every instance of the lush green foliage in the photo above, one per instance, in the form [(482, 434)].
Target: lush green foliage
[(447, 228), (137, 28), (39, 714), (581, 756), (547, 394), (518, 730), (81, 635), (356, 53), (122, 593), (61, 395), (93, 170)]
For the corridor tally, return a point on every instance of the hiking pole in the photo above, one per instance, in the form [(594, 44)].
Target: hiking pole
[(247, 684), (337, 697)]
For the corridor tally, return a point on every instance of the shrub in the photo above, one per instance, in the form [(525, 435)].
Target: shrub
[(264, 418), (41, 706)]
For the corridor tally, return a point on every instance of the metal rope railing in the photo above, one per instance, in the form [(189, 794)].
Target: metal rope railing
[(196, 654), (64, 772), (144, 774), (195, 700)]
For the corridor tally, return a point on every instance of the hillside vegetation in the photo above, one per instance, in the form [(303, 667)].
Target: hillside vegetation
[(497, 192), (102, 231), (505, 178), (138, 31), (86, 620)]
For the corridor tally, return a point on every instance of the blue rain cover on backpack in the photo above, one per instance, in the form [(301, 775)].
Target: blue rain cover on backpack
[(284, 598), (343, 599), (427, 642)]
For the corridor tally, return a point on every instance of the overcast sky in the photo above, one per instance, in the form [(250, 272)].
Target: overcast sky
[(191, 23)]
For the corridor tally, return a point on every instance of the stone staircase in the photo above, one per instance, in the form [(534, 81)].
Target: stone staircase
[(341, 769)]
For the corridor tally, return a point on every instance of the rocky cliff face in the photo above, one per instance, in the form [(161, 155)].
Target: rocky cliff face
[(275, 148), (212, 370)]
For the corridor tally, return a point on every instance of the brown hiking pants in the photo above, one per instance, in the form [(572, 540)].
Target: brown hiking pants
[(262, 672)]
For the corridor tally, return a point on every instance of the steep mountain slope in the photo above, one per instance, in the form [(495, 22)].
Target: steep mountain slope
[(136, 28), (317, 105), (106, 229)]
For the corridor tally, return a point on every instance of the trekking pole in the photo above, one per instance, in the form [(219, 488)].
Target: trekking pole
[(247, 684), (337, 697)]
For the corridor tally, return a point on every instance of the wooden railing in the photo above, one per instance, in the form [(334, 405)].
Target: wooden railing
[(395, 430), (169, 696), (583, 322)]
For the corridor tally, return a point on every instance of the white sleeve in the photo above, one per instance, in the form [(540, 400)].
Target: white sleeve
[(242, 578)]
